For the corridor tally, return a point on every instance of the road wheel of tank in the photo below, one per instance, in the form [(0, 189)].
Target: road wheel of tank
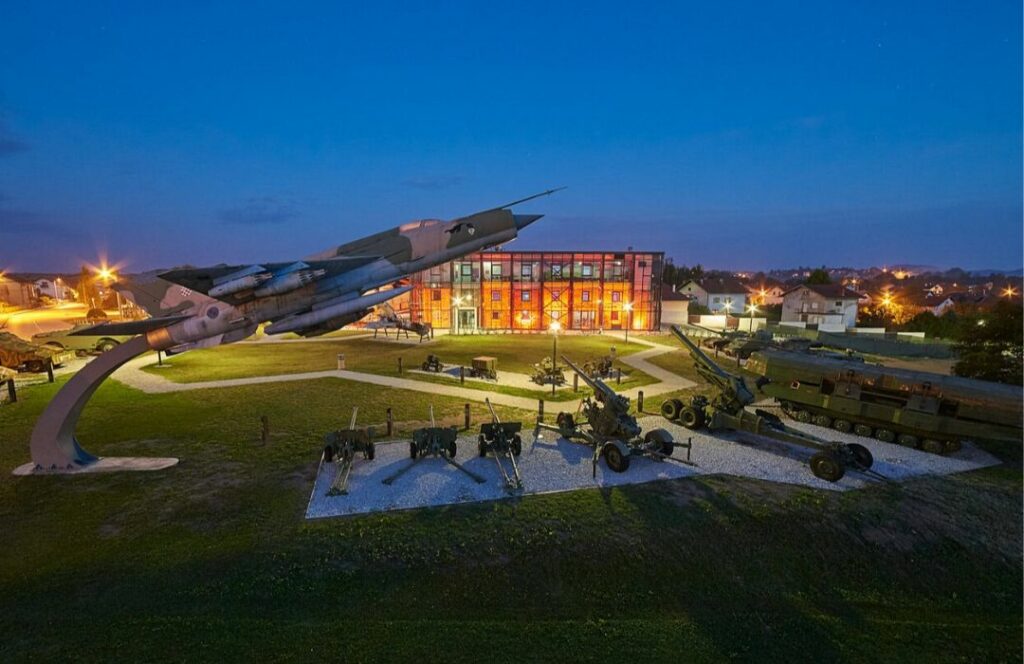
[(659, 440), (517, 445), (616, 460), (412, 450), (371, 451), (801, 415), (670, 408), (481, 445), (691, 418), (822, 420), (863, 430), (35, 366), (842, 426), (328, 453), (885, 435), (907, 440), (452, 449), (951, 446), (933, 446), (861, 456), (106, 344), (826, 466)]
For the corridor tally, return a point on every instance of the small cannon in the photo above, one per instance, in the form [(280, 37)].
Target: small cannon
[(341, 447), (433, 441), (501, 439), (433, 363), (546, 372)]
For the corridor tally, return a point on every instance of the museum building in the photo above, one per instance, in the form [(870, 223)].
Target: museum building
[(527, 291)]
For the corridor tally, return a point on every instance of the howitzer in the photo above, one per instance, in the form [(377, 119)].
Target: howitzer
[(610, 429), (502, 440), (341, 448), (727, 410), (433, 441)]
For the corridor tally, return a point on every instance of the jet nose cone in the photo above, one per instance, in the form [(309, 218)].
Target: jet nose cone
[(524, 220)]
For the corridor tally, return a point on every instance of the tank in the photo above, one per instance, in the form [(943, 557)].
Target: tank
[(16, 353), (912, 408)]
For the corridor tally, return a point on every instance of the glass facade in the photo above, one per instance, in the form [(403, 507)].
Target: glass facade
[(528, 291)]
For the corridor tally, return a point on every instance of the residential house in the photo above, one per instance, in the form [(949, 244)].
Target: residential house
[(17, 292), (675, 307), (831, 305), (767, 292), (725, 295)]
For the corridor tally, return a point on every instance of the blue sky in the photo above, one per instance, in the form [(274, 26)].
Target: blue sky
[(734, 134)]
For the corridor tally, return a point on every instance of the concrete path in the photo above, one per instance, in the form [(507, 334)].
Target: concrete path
[(131, 374)]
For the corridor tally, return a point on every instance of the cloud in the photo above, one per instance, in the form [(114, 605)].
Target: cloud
[(433, 182), (259, 211), (9, 144)]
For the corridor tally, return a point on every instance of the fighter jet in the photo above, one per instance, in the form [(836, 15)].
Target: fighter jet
[(203, 307)]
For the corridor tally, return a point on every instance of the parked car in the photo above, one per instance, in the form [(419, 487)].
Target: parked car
[(62, 340)]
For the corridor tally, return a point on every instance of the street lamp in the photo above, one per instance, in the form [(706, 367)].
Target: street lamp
[(629, 318), (554, 327), (1009, 291)]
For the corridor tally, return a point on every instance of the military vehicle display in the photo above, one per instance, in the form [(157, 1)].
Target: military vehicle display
[(433, 363), (599, 368), (502, 441), (546, 372), (433, 441), (736, 343), (341, 448), (484, 367), (389, 318), (727, 411), (21, 355), (912, 408), (85, 345), (609, 428)]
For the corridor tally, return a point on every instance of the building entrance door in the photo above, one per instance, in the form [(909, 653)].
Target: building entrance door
[(584, 320), (466, 321)]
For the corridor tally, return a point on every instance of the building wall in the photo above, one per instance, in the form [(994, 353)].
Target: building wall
[(18, 294), (805, 305), (717, 302), (528, 291)]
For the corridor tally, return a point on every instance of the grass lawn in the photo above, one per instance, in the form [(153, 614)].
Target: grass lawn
[(516, 353), (212, 560)]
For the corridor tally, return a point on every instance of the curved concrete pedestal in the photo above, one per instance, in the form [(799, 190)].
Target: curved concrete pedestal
[(54, 446)]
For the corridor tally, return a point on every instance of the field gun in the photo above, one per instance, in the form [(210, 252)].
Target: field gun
[(341, 448), (547, 372), (433, 363), (433, 441), (502, 439), (727, 411), (609, 428)]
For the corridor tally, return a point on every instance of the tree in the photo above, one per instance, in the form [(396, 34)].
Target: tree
[(991, 346), (819, 276)]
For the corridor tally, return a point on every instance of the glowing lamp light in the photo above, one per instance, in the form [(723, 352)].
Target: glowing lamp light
[(1009, 291), (555, 326), (628, 306), (752, 309)]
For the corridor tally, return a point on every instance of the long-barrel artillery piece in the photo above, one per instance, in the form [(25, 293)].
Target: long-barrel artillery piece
[(433, 441), (502, 440), (202, 307), (610, 429), (727, 411), (341, 447)]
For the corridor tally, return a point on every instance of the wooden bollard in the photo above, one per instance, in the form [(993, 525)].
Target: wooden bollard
[(575, 382), (11, 391), (49, 371), (640, 401), (618, 377), (391, 423), (465, 417), (264, 429), (540, 411), (399, 364), (160, 358), (462, 375)]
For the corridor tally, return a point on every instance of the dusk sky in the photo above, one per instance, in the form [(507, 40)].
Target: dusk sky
[(736, 135)]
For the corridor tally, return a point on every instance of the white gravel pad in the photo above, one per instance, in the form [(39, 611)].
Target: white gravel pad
[(549, 465)]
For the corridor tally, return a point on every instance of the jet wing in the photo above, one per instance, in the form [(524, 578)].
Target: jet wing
[(203, 279), (129, 328)]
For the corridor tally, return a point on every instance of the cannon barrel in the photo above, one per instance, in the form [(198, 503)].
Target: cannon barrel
[(731, 385), (700, 356), (494, 416), (593, 383)]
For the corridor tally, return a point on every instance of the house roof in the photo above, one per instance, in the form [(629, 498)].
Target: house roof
[(722, 285), (829, 291), (669, 295)]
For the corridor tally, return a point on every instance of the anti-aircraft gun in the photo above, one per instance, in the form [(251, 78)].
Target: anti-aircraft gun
[(726, 411), (599, 368), (610, 429), (433, 441), (433, 363), (341, 447), (502, 439), (547, 372)]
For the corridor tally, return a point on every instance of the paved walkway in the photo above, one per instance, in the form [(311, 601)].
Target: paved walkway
[(131, 374)]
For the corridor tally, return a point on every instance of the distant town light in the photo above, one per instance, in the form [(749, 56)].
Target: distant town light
[(1009, 291)]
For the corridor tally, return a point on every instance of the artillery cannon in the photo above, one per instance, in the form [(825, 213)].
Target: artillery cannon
[(598, 368), (341, 448), (502, 439), (546, 372), (726, 411), (433, 363), (484, 367), (433, 441), (610, 429)]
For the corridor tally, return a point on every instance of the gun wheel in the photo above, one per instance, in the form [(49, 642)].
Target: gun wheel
[(691, 418), (670, 408), (616, 460), (826, 466), (371, 451), (413, 450), (481, 446), (659, 440), (452, 449), (861, 456), (517, 445), (328, 453)]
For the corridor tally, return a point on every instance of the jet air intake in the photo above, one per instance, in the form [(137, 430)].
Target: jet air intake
[(323, 314)]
